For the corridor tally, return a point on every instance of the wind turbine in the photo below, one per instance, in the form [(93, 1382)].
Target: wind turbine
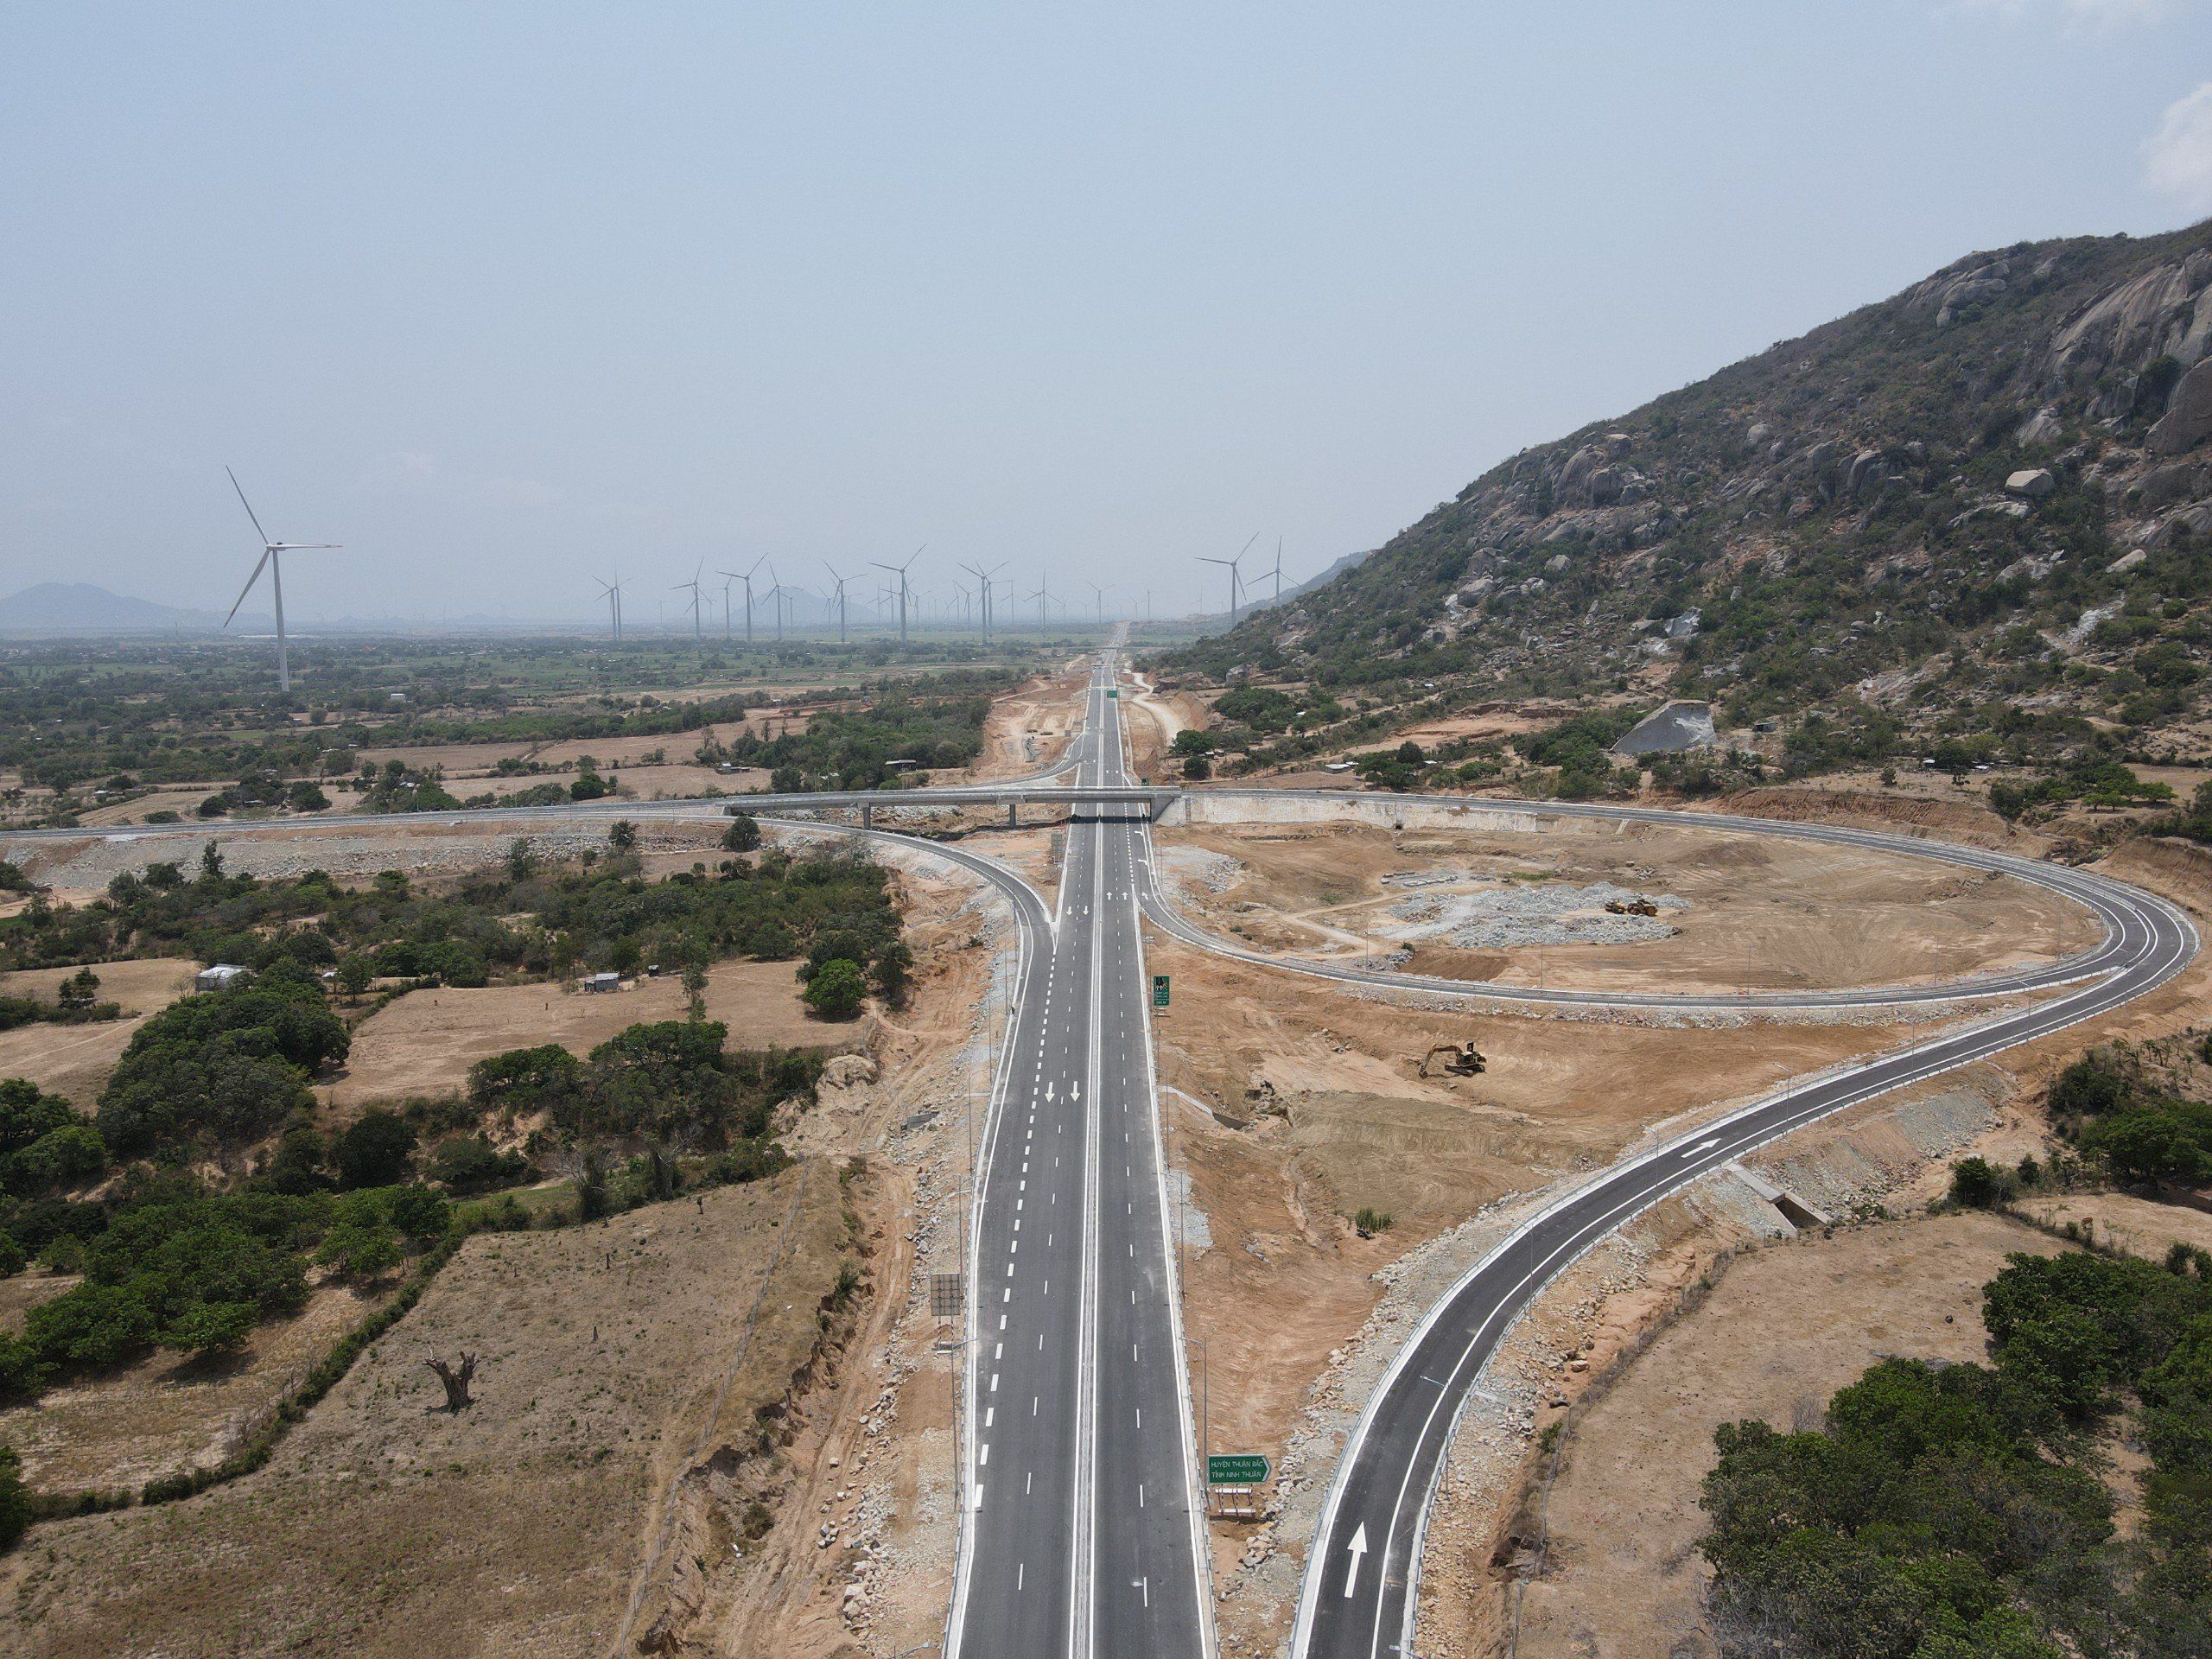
[(900, 570), (613, 597), (1236, 577), (840, 581), (984, 580), (776, 593), (727, 580), (746, 578), (1043, 599), (694, 586), (1277, 572), (1098, 595), (268, 556)]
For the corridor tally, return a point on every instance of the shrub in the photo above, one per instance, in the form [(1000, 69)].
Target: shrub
[(374, 1149), (1371, 1221), (14, 1498), (741, 834), (836, 990)]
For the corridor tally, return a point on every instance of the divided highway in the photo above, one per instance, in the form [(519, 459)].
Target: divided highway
[(1082, 1536)]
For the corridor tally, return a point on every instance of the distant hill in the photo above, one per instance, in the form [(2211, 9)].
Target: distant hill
[(1981, 509), (81, 608)]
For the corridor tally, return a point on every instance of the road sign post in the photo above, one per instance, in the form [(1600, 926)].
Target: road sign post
[(1159, 991), (1236, 1469)]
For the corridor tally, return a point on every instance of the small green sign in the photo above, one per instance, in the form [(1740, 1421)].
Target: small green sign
[(1111, 694), (1239, 1469), (1159, 991)]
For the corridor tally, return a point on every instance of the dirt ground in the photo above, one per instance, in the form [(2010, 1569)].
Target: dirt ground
[(1621, 1578), (75, 1060), (1754, 913), (1278, 1281), (2139, 1226), (613, 1358), (1031, 730), (424, 1043), (165, 1415)]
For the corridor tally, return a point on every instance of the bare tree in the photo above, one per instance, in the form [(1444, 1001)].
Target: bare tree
[(456, 1380)]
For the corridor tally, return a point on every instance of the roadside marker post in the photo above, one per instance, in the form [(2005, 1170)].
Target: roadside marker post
[(1159, 991)]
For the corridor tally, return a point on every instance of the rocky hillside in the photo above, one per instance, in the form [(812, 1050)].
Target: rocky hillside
[(1980, 509)]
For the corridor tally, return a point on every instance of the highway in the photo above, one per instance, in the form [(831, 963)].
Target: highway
[(1360, 1592), (2118, 908), (1079, 1533), (1082, 1537)]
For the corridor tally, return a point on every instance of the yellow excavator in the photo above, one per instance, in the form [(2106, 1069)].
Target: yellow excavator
[(1460, 1060)]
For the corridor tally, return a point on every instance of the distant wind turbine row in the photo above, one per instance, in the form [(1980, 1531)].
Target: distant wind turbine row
[(981, 606)]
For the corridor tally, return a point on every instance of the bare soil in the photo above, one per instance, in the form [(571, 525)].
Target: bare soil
[(1757, 913), (613, 1358), (75, 1060), (424, 1043), (2123, 1222), (1787, 1325), (167, 1413)]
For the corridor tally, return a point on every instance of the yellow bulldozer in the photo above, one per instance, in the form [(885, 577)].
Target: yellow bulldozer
[(1459, 1060), (1638, 905)]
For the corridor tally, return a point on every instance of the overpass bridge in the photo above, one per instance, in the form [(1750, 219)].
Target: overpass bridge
[(1012, 797)]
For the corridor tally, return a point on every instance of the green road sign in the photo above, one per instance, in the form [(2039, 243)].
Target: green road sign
[(1159, 991), (1111, 694), (1240, 1469)]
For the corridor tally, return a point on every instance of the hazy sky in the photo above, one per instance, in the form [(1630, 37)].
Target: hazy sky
[(501, 295)]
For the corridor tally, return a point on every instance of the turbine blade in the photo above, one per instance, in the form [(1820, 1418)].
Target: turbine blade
[(267, 553), (250, 512)]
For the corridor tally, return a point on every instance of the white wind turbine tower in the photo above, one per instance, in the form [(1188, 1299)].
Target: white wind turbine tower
[(269, 551), (612, 594), (1236, 577), (1277, 572), (983, 580), (696, 633), (776, 595), (840, 581), (899, 571), (746, 578), (1098, 595), (727, 580)]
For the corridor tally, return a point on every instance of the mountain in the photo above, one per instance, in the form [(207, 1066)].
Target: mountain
[(1983, 507), (81, 608)]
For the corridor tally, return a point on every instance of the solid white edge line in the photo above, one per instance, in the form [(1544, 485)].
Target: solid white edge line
[(1302, 1627)]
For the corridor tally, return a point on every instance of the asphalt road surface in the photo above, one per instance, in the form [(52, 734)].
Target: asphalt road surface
[(1082, 1535), (1359, 1594), (2116, 905)]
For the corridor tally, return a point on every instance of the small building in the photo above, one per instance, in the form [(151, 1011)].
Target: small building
[(220, 976), (603, 981)]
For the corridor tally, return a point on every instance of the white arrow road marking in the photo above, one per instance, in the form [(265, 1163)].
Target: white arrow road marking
[(1075, 1090), (1702, 1146), (1358, 1548)]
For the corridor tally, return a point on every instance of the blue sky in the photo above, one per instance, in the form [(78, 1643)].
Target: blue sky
[(501, 295)]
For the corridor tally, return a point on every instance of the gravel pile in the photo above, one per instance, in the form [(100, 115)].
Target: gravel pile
[(1195, 868), (1550, 913)]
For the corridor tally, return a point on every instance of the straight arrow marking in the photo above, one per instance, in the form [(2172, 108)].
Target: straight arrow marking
[(1358, 1547)]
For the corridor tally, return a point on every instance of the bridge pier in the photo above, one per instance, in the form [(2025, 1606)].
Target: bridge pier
[(867, 816), (1013, 814)]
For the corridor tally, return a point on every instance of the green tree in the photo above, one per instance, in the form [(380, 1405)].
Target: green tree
[(374, 1149), (622, 835), (360, 1251), (15, 1498), (836, 990), (741, 834)]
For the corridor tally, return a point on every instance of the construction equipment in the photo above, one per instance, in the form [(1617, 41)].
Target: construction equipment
[(1460, 1060), (1638, 905)]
